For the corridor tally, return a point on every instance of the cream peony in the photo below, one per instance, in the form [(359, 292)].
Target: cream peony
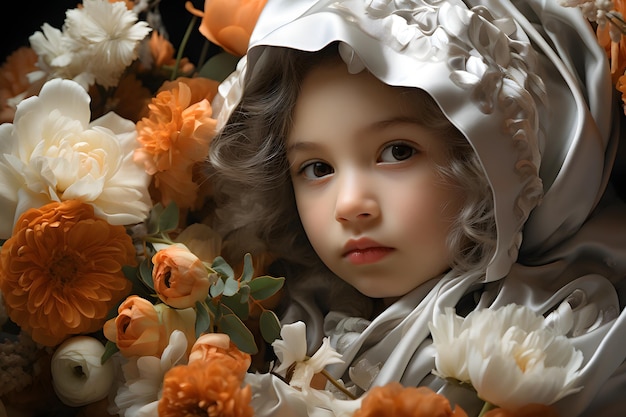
[(510, 355), (78, 376), (51, 152)]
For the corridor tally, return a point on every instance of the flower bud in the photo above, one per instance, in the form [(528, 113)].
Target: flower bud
[(180, 278), (78, 376)]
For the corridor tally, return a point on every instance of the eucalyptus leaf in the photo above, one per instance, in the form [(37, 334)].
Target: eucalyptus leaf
[(244, 293), (231, 286), (270, 326), (219, 66), (265, 286), (217, 289), (241, 309), (110, 349), (238, 333), (248, 268), (203, 319), (221, 267), (145, 273), (153, 220), (168, 220)]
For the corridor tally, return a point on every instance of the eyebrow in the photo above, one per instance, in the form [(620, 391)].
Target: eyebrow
[(378, 125)]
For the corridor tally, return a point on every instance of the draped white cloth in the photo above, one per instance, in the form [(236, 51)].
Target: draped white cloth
[(539, 109)]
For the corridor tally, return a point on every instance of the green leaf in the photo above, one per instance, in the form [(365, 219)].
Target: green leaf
[(265, 286), (153, 220), (241, 309), (219, 66), (217, 289), (203, 319), (145, 273), (221, 267), (244, 293), (270, 326), (248, 268), (232, 286), (109, 349), (239, 333), (168, 220)]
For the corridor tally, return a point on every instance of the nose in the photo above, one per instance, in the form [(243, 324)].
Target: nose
[(356, 199)]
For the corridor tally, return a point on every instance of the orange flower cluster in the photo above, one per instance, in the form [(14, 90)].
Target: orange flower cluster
[(395, 400), (175, 136), (204, 388), (61, 271), (13, 80)]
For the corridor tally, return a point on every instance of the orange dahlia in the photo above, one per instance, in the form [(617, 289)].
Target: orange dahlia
[(13, 80), (203, 389), (61, 271), (398, 401)]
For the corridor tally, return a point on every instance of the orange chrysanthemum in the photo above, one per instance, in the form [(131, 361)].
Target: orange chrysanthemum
[(174, 137), (203, 389), (13, 80), (61, 271), (530, 410), (398, 401)]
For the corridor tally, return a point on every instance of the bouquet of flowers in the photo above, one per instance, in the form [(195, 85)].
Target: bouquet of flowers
[(115, 297)]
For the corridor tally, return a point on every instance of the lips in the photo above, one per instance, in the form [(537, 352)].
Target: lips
[(365, 251)]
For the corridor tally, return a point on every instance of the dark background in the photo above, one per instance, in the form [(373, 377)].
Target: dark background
[(28, 16)]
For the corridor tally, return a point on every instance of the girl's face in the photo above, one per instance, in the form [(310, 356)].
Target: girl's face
[(366, 186)]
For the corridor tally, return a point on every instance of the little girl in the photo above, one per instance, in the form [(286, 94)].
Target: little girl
[(430, 154)]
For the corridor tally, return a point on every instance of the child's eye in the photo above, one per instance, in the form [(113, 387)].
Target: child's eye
[(316, 170), (397, 152)]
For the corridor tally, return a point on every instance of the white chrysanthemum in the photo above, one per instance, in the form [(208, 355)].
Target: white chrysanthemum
[(139, 392), (509, 355), (52, 153), (107, 34)]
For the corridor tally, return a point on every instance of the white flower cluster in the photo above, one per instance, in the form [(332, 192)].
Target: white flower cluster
[(97, 42), (600, 12)]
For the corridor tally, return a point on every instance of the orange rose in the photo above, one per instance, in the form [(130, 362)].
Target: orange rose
[(219, 347), (229, 23), (180, 278), (396, 400), (144, 329)]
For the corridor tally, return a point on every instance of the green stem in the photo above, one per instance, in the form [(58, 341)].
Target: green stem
[(181, 48), (338, 385), (486, 407)]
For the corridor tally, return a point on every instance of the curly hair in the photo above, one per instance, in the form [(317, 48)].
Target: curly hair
[(249, 169)]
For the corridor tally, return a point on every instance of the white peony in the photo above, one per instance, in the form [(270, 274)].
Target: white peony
[(78, 376), (511, 356), (51, 152)]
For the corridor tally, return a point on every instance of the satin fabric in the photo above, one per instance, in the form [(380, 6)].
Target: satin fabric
[(565, 253)]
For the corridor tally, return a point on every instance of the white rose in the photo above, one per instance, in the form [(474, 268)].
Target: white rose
[(51, 152), (78, 376)]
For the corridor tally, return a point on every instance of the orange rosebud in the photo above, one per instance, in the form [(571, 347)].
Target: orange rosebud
[(61, 271), (180, 278), (229, 23), (219, 347), (396, 400), (206, 388), (530, 410), (144, 329)]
